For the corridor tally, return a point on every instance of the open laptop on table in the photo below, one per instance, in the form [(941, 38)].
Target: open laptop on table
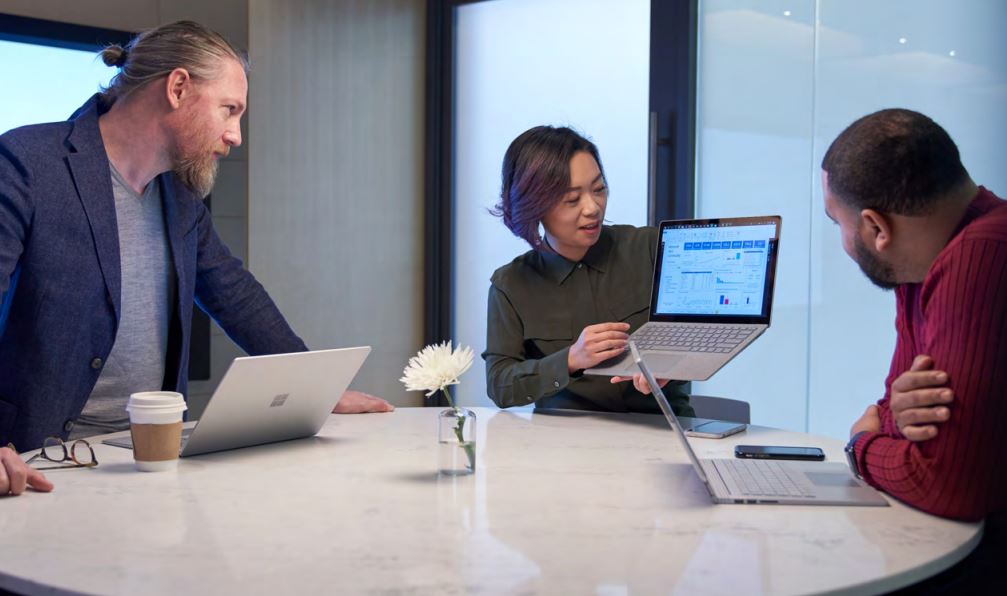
[(767, 481), (265, 399), (711, 296)]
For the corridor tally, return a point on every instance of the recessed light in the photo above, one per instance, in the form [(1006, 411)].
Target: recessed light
[(903, 40), (951, 53), (786, 13)]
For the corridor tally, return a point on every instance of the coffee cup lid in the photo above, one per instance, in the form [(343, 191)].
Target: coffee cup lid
[(156, 400)]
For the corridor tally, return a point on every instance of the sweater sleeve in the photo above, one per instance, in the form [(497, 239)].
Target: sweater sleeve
[(902, 360), (957, 474)]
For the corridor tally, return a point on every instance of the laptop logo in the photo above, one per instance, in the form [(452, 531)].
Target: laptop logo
[(279, 400)]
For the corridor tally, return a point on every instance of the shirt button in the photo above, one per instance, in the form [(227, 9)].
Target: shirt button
[(96, 363), (580, 265), (68, 426)]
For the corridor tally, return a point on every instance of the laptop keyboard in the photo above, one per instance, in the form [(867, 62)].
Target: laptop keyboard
[(691, 338), (760, 478)]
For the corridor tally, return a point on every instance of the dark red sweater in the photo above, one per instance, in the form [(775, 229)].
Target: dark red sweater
[(958, 316)]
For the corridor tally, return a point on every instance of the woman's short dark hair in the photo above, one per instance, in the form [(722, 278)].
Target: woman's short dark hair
[(536, 175), (893, 161)]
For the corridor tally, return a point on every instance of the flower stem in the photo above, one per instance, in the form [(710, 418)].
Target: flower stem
[(469, 448)]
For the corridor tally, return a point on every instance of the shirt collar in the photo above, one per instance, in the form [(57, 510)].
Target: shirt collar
[(980, 204), (558, 268)]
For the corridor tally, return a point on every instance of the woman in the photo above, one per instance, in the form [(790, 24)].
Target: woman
[(572, 301)]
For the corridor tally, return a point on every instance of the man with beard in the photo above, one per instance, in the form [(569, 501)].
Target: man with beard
[(914, 221), (105, 245)]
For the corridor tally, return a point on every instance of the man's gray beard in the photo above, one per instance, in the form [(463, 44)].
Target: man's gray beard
[(197, 174)]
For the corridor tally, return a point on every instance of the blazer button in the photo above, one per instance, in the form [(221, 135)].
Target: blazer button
[(96, 363), (555, 383), (68, 426)]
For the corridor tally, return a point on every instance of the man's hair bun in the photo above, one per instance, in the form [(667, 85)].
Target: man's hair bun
[(114, 55)]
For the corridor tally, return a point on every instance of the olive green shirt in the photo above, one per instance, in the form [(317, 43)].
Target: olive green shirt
[(540, 303)]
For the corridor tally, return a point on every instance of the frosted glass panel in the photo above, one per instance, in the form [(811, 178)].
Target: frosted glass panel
[(945, 59), (754, 128), (777, 82), (521, 63)]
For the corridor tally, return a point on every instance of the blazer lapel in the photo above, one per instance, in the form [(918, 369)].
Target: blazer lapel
[(93, 182)]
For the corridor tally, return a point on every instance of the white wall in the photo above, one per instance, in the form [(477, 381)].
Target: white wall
[(778, 80), (522, 63), (335, 176)]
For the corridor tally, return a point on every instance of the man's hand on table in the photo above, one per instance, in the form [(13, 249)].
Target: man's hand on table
[(869, 422), (357, 402), (919, 399), (15, 475)]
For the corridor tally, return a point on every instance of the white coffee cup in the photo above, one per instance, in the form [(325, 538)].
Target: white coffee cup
[(155, 423)]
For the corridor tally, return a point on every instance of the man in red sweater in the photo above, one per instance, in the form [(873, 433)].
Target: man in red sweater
[(914, 221)]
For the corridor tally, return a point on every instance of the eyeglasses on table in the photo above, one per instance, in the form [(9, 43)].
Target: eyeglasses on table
[(79, 454)]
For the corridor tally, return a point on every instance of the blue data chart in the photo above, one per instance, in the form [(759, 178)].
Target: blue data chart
[(714, 270)]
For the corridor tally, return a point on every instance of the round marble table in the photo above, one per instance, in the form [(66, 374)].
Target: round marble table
[(563, 503)]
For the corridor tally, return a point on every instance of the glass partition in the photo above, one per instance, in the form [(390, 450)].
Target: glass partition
[(521, 63), (778, 80)]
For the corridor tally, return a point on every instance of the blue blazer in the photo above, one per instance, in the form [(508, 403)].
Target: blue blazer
[(60, 277)]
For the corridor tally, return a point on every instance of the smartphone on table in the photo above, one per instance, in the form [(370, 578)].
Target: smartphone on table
[(778, 452), (713, 429)]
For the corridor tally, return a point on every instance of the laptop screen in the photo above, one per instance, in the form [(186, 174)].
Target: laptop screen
[(716, 270)]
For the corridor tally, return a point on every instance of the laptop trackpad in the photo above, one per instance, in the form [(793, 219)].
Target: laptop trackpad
[(662, 363), (832, 479), (622, 365)]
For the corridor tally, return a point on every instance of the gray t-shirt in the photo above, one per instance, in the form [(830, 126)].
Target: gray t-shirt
[(136, 362)]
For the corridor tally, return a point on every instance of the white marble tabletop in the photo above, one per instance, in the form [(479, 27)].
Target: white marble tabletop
[(562, 503)]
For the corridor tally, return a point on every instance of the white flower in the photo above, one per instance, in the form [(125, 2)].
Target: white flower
[(436, 367)]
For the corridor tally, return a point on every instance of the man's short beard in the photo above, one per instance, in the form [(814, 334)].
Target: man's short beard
[(880, 274), (198, 172)]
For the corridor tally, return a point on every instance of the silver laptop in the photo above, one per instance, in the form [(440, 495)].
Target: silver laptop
[(711, 296), (767, 481), (265, 399)]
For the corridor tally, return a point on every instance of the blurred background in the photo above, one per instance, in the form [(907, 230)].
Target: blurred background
[(375, 133)]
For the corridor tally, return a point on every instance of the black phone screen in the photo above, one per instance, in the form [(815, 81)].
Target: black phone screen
[(778, 452)]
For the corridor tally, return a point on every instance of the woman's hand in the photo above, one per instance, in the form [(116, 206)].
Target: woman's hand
[(640, 383), (597, 343)]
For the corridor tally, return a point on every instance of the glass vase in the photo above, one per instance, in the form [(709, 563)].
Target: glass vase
[(456, 437)]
